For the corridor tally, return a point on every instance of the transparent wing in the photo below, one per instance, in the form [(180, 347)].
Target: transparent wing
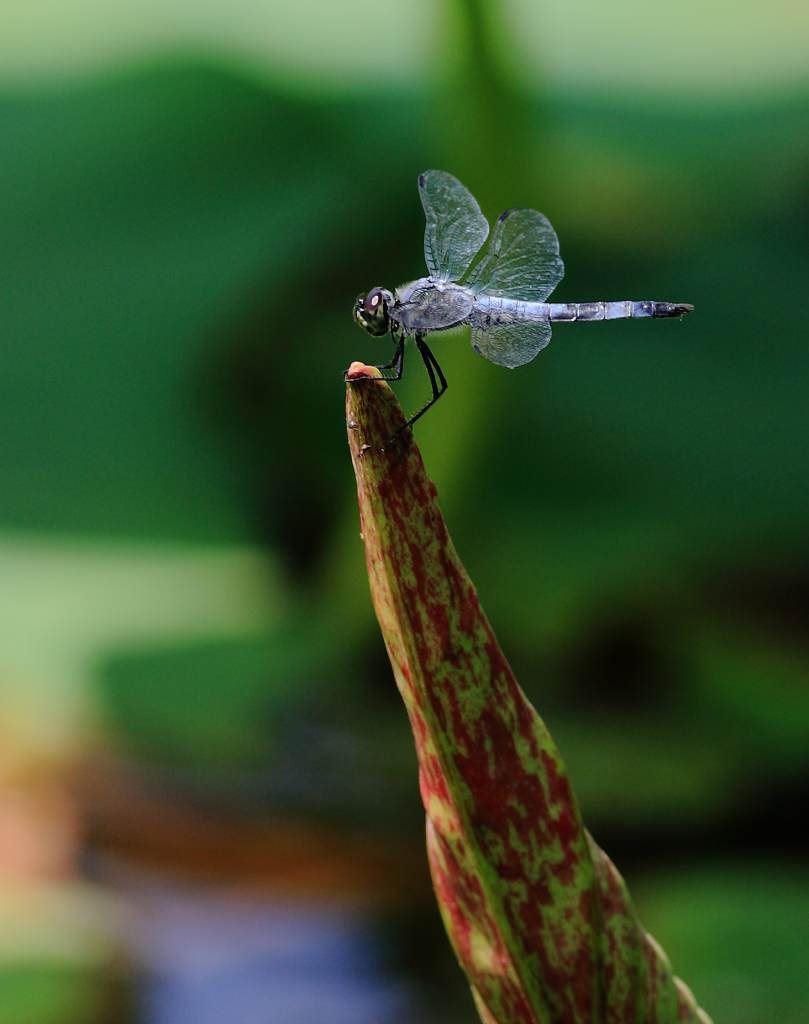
[(522, 259), (456, 229), (512, 344)]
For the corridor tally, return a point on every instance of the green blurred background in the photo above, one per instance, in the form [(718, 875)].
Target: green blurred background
[(208, 801)]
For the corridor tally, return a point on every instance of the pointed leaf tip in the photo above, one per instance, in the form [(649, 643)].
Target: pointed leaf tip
[(359, 370), (374, 419)]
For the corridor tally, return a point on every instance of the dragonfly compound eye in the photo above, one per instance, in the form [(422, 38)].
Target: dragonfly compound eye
[(371, 312)]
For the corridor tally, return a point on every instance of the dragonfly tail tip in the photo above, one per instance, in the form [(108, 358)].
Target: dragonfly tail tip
[(671, 309)]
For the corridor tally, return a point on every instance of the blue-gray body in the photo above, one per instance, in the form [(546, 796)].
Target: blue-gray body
[(428, 305)]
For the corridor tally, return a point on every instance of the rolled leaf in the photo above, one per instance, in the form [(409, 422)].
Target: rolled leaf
[(539, 918)]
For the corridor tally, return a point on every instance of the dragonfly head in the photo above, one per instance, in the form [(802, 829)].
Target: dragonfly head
[(371, 311)]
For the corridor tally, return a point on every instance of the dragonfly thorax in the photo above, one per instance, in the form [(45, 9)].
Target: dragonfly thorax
[(372, 311)]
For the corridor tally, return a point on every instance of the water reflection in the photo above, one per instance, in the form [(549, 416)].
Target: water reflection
[(211, 955)]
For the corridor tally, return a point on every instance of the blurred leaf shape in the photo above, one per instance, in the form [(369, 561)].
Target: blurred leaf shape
[(737, 930), (142, 214), (62, 955)]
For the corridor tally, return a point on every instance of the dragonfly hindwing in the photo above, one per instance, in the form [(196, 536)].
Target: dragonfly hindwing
[(511, 344), (522, 258), (455, 230)]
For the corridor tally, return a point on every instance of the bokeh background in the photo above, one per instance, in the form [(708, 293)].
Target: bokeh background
[(208, 801)]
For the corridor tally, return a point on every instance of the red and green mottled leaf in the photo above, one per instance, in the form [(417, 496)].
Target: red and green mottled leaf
[(538, 916)]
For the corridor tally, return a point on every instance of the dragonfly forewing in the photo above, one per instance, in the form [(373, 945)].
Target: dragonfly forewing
[(455, 228)]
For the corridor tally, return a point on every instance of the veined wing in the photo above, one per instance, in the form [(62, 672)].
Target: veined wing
[(511, 344), (456, 229), (522, 259)]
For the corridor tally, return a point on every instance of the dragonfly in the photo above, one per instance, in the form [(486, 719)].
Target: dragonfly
[(497, 287)]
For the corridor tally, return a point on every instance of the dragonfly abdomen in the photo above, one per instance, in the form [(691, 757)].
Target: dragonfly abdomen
[(498, 310), (621, 310)]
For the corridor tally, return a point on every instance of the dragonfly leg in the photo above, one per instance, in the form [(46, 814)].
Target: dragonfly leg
[(433, 370), (397, 363)]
